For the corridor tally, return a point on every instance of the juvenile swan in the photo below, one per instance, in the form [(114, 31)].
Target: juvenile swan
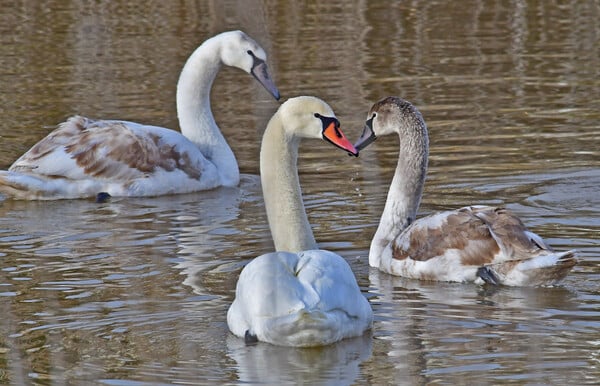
[(470, 244), (300, 295), (84, 157)]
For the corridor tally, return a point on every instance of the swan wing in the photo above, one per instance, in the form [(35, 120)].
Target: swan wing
[(83, 156), (81, 147), (460, 231), (452, 245)]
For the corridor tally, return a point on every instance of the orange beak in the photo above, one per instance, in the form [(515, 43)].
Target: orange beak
[(334, 135)]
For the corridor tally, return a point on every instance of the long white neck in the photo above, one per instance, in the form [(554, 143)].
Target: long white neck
[(289, 225), (193, 109), (405, 191)]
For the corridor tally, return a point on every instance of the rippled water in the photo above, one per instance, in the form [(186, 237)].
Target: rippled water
[(136, 290)]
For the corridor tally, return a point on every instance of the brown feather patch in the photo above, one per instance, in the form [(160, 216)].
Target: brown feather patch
[(511, 232), (103, 151), (460, 231), (58, 137), (108, 149)]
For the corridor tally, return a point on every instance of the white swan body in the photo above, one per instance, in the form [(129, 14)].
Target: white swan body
[(308, 298), (84, 157), (471, 244), (300, 295)]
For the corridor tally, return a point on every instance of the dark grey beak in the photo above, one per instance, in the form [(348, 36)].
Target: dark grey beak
[(366, 137), (261, 72)]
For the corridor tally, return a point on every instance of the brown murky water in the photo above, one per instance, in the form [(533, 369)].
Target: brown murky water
[(136, 290)]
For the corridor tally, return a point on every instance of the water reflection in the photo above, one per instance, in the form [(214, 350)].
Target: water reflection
[(209, 246), (104, 282), (137, 290), (331, 365), (430, 329)]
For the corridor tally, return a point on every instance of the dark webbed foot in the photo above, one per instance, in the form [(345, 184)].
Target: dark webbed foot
[(249, 338), (488, 276), (102, 197)]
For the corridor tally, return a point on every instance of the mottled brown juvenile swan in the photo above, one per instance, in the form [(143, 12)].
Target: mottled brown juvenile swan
[(85, 157), (470, 244)]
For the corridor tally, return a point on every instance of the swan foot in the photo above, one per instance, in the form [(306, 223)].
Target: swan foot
[(488, 276), (249, 338), (102, 197)]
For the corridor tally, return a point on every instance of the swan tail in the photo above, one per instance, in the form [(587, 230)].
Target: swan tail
[(22, 186), (312, 328), (19, 186), (542, 270)]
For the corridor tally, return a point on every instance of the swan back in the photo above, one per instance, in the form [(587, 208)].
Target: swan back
[(299, 299)]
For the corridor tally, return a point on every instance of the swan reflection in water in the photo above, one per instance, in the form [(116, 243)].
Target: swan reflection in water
[(423, 327), (335, 364)]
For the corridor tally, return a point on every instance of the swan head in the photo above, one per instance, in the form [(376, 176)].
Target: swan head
[(241, 51), (388, 116), (310, 117)]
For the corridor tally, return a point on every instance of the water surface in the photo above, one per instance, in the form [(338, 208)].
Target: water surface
[(136, 290)]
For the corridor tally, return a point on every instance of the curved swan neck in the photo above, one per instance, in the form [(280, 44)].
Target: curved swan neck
[(289, 224), (196, 120), (404, 195)]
